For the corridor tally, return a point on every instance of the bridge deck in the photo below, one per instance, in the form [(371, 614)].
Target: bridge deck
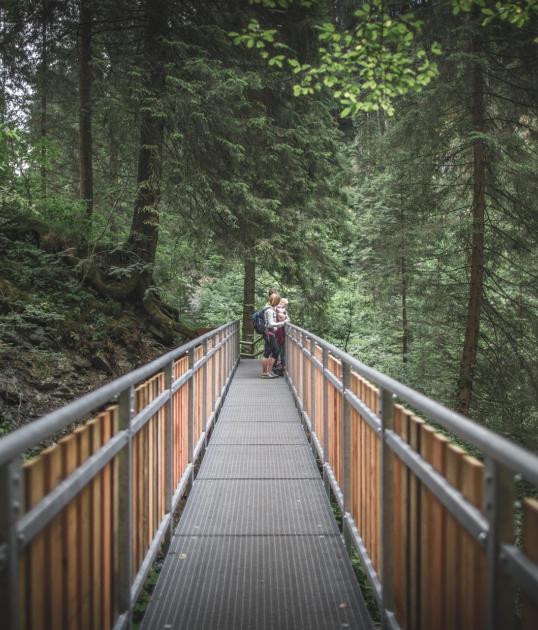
[(257, 546)]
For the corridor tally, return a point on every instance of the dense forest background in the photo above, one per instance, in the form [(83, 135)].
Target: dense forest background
[(158, 175)]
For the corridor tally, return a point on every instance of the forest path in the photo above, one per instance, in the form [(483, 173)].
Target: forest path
[(257, 545)]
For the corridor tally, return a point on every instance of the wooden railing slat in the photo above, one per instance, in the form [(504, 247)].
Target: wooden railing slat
[(529, 609)]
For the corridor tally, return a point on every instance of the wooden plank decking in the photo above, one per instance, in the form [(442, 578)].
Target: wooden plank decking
[(257, 547)]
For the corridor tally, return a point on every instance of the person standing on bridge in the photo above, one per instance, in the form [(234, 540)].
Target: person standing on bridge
[(280, 336), (270, 351)]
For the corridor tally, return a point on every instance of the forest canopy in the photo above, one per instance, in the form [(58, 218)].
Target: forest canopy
[(375, 160)]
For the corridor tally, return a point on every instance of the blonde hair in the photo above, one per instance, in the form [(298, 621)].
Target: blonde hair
[(274, 299), (284, 302)]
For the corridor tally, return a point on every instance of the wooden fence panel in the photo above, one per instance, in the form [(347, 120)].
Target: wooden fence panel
[(34, 491), (53, 542), (433, 532), (96, 440), (318, 384), (68, 573), (83, 541), (179, 420), (473, 584), (529, 609), (453, 545), (415, 509), (400, 535), (106, 525)]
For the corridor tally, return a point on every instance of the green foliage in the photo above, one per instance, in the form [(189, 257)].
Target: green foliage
[(516, 12), (364, 68), (361, 219)]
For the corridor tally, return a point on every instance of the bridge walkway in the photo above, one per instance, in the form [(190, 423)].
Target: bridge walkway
[(257, 546)]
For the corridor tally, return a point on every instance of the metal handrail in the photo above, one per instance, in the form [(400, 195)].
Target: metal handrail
[(30, 435), (492, 527), (17, 531), (518, 459)]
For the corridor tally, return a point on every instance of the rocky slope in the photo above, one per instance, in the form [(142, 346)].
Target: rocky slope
[(59, 338)]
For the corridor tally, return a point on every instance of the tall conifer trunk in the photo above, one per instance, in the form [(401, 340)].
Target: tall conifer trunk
[(403, 280), (144, 233), (85, 106), (472, 327), (249, 296), (43, 85)]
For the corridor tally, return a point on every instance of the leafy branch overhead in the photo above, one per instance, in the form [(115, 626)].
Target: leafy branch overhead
[(365, 67)]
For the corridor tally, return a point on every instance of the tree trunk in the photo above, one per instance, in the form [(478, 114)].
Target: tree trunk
[(472, 328), (43, 79), (3, 70), (85, 104), (144, 232), (249, 296), (403, 276)]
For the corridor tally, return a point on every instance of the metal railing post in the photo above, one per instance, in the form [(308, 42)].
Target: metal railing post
[(213, 373), (204, 387), (312, 385), (226, 358), (303, 375), (168, 450), (238, 343), (126, 412), (499, 497), (289, 354), (10, 510), (222, 349), (325, 361), (190, 409), (387, 509), (345, 449)]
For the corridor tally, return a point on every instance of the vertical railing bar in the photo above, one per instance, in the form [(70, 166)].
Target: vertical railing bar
[(325, 361), (126, 411), (213, 373), (345, 437), (303, 375), (10, 510), (190, 409), (296, 361), (226, 358), (168, 450), (289, 354), (312, 385), (221, 364), (499, 497), (238, 343), (387, 509), (204, 387), (230, 349)]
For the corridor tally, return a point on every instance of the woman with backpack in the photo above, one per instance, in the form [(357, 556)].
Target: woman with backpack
[(271, 348), (280, 337)]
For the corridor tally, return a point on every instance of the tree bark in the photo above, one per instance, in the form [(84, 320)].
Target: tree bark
[(43, 79), (85, 106), (474, 306), (3, 71), (403, 278), (144, 233), (249, 296)]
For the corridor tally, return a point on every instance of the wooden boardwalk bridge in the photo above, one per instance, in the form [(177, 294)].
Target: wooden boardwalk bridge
[(445, 540)]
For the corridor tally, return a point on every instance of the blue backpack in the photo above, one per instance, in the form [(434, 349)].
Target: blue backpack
[(258, 319)]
